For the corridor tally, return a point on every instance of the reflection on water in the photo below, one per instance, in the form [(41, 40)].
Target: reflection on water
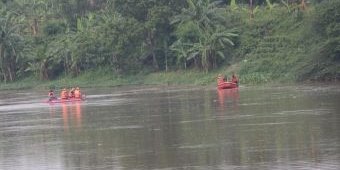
[(228, 97), (292, 127), (71, 113)]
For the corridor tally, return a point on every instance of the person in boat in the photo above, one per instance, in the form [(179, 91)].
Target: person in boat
[(77, 93), (51, 95), (64, 94), (225, 78), (234, 79), (71, 94), (220, 79)]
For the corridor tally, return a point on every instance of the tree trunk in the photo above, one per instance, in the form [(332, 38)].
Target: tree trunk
[(10, 74), (166, 63), (4, 75), (43, 71), (115, 64), (166, 49), (155, 62), (251, 12), (151, 47), (1, 63), (13, 67), (303, 5), (7, 64), (197, 63), (34, 27)]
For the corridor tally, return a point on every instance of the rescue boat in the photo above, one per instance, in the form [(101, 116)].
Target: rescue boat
[(58, 100), (227, 85)]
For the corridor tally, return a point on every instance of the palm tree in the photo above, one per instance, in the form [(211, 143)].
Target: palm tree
[(10, 42), (30, 11)]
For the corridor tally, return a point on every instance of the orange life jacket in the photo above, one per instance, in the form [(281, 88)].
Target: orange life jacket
[(234, 79), (77, 93), (220, 80), (71, 93), (63, 94)]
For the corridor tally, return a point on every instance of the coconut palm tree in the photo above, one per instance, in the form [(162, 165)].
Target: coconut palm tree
[(29, 12)]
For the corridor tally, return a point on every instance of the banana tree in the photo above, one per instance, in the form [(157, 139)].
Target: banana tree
[(217, 43), (201, 17), (76, 45), (179, 48), (211, 46), (38, 63)]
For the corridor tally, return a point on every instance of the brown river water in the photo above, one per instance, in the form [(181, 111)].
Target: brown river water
[(173, 127)]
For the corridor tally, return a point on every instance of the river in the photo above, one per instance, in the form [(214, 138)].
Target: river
[(173, 127)]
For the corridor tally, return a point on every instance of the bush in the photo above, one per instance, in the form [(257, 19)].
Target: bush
[(54, 28), (327, 18)]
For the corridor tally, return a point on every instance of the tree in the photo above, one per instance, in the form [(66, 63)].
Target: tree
[(153, 16), (204, 32), (181, 50), (10, 43), (120, 42), (30, 11), (251, 10)]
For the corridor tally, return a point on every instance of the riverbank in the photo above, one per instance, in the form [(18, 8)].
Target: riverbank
[(98, 79), (104, 79)]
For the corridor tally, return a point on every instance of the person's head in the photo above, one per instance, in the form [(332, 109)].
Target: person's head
[(64, 89), (220, 75), (77, 88), (51, 90)]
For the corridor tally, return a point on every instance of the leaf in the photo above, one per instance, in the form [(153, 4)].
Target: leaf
[(191, 5), (221, 54), (233, 5)]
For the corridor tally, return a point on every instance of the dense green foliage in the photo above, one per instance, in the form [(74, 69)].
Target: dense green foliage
[(261, 41)]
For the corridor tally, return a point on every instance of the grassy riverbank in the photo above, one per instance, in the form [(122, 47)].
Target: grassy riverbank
[(104, 78), (94, 79)]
